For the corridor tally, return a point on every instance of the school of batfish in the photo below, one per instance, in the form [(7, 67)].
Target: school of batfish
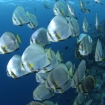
[(53, 75)]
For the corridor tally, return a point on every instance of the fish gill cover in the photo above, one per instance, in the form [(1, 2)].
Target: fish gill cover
[(52, 52)]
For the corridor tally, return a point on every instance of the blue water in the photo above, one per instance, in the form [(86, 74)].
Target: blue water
[(19, 91)]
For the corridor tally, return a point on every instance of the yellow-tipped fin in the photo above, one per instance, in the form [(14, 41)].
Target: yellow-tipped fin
[(27, 14), (95, 82), (59, 56), (56, 84), (87, 70), (100, 28), (48, 53), (4, 49), (18, 38), (30, 65), (56, 103), (101, 59), (86, 48), (62, 12), (71, 71), (58, 35), (20, 20)]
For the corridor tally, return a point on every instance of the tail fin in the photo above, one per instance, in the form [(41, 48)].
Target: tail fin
[(18, 38)]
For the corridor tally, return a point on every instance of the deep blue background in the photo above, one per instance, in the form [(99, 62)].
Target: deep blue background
[(19, 91)]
